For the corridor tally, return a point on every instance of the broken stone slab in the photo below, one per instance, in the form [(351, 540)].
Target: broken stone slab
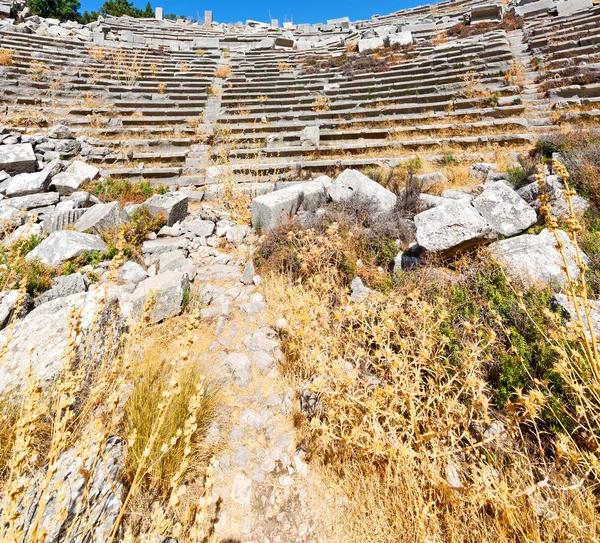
[(102, 217), (64, 286), (452, 227), (33, 201), (61, 132), (172, 205), (401, 39), (18, 158), (84, 494), (534, 259), (237, 234), (310, 136), (352, 183), (24, 184), (273, 209), (480, 170), (73, 177), (569, 311), (198, 227), (170, 291), (59, 220), (249, 272), (164, 245), (130, 272), (64, 245), (173, 260), (505, 210)]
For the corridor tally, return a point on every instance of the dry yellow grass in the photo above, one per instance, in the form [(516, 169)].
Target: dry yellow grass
[(223, 72), (6, 57), (398, 397)]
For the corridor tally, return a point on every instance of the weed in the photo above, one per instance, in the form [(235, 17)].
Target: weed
[(6, 57), (223, 72), (123, 190)]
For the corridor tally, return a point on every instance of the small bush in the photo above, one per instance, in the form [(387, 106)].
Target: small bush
[(6, 57), (223, 72), (33, 276), (518, 176), (581, 153)]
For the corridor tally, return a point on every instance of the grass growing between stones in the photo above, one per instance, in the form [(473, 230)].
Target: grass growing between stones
[(147, 386), (124, 190), (455, 406)]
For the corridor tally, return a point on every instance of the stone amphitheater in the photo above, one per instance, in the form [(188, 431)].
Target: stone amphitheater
[(271, 113)]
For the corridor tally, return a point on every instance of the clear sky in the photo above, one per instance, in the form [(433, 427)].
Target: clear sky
[(298, 11)]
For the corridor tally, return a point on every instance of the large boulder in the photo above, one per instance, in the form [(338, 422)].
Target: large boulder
[(535, 259), (272, 209), (505, 210), (369, 44), (102, 217), (172, 205), (451, 227), (170, 290), (17, 158), (64, 245), (351, 183), (73, 177)]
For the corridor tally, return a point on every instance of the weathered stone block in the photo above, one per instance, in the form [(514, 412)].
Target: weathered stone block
[(172, 205), (102, 217), (351, 183), (273, 209), (17, 158)]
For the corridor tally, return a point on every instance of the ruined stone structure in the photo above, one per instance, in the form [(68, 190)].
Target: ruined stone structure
[(154, 104)]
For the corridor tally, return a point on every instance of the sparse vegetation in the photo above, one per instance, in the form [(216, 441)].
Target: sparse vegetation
[(123, 190), (6, 57), (223, 72)]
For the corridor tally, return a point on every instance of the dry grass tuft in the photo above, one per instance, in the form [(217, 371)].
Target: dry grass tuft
[(223, 72), (6, 57)]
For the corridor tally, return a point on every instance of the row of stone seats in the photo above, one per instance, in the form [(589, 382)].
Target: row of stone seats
[(565, 47)]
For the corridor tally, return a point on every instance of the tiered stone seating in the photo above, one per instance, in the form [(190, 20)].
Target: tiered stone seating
[(567, 53), (149, 98)]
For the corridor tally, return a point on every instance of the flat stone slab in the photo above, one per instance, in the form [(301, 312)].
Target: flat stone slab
[(452, 227), (73, 177), (33, 201), (505, 210), (17, 158), (164, 245), (64, 245), (24, 184), (535, 259)]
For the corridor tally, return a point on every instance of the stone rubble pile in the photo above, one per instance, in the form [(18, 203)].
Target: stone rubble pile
[(492, 213)]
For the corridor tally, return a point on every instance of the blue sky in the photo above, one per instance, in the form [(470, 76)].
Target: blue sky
[(303, 11)]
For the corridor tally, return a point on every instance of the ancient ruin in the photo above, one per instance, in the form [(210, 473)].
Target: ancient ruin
[(149, 166)]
